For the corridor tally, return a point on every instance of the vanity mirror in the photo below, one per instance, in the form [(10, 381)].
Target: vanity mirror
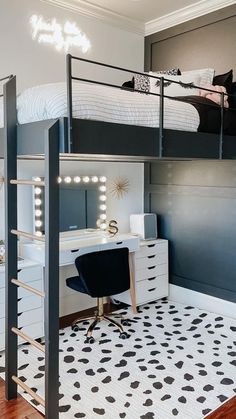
[(82, 203)]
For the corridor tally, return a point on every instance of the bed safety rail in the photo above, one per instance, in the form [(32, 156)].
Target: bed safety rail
[(70, 77)]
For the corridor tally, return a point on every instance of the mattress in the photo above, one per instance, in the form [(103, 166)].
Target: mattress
[(103, 103)]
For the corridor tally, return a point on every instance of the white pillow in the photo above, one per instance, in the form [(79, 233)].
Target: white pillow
[(206, 75), (173, 89)]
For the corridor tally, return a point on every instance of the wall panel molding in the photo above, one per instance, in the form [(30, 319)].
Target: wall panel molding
[(185, 14)]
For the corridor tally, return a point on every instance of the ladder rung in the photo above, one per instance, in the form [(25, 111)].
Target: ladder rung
[(28, 390), (27, 182), (28, 339), (28, 287), (27, 235)]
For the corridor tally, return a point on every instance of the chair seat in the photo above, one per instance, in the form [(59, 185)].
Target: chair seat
[(76, 284)]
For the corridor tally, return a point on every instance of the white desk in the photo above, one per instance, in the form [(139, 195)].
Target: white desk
[(73, 245)]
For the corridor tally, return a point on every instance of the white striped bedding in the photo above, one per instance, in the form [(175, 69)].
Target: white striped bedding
[(103, 103)]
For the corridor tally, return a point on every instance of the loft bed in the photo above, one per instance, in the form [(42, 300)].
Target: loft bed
[(81, 138)]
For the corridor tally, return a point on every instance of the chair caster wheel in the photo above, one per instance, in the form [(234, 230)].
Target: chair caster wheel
[(124, 335), (125, 322), (75, 328), (89, 339)]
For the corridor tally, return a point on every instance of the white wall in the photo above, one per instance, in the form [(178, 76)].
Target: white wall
[(35, 63)]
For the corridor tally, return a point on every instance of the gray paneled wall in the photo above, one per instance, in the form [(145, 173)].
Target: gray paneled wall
[(196, 206), (208, 41)]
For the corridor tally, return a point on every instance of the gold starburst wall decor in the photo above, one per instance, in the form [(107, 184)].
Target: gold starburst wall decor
[(119, 187)]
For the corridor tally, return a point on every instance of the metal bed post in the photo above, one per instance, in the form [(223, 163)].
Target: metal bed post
[(51, 304), (221, 126), (51, 294), (69, 99), (10, 171), (161, 116)]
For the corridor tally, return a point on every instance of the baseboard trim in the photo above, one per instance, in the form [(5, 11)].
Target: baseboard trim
[(202, 301)]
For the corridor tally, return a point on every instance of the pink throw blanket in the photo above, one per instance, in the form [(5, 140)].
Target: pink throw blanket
[(215, 96)]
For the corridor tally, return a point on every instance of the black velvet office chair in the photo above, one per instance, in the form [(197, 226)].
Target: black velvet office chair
[(101, 274)]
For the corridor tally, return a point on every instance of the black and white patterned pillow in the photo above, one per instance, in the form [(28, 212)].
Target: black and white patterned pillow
[(142, 82), (171, 72)]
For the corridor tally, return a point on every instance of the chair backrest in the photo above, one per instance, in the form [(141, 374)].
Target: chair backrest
[(106, 272)]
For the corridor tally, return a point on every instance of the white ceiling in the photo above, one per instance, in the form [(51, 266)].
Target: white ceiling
[(141, 10), (143, 17)]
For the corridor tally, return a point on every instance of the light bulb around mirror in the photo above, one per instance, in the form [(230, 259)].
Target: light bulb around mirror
[(103, 207), (102, 197), (67, 179), (103, 179), (103, 226), (102, 188), (86, 179), (37, 191)]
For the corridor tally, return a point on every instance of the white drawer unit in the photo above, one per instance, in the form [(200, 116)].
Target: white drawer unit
[(30, 306), (150, 271)]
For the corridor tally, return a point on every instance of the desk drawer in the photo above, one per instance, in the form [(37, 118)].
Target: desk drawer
[(152, 289), (24, 319), (34, 330), (151, 271), (132, 244), (68, 257), (24, 304), (151, 260), (147, 290), (151, 249)]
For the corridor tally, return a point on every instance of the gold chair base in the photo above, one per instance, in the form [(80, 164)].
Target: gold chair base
[(97, 318)]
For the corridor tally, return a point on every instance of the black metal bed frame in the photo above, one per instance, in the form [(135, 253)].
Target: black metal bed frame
[(52, 146), (165, 140)]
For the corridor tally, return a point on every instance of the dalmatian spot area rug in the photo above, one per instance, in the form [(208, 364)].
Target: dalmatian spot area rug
[(178, 362)]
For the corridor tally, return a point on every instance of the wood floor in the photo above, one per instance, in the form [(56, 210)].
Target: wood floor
[(226, 411), (20, 409), (16, 409)]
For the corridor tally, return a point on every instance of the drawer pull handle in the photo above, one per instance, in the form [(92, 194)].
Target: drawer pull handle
[(119, 243), (74, 250), (151, 267), (19, 270), (151, 279), (151, 245), (151, 289), (152, 256)]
